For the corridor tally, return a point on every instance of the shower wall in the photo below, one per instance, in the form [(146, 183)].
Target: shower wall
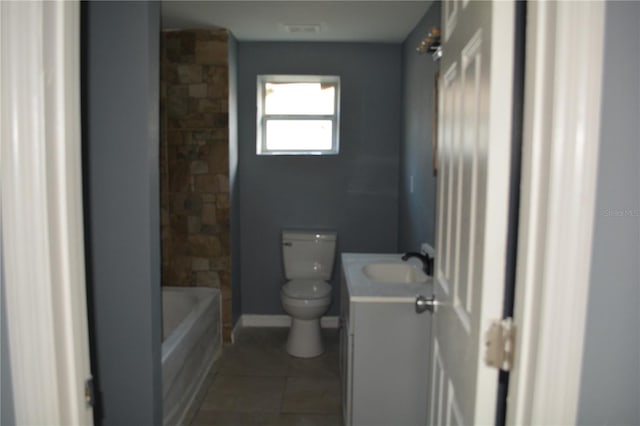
[(194, 163)]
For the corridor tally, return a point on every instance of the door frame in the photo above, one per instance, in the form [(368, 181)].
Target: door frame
[(42, 217), (561, 138), (558, 186)]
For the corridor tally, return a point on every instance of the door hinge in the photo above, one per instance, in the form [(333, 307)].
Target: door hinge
[(89, 392), (500, 342)]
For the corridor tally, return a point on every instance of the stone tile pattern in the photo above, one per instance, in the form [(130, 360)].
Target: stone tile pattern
[(258, 383), (194, 163)]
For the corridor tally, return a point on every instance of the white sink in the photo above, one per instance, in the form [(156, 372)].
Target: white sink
[(394, 272)]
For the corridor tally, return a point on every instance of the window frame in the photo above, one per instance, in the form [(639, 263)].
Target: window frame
[(263, 119)]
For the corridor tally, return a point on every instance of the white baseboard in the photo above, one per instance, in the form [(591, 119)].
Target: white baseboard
[(252, 320)]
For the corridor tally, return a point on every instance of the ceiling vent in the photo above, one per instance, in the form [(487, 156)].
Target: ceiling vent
[(302, 28)]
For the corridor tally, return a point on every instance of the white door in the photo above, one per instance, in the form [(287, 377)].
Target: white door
[(475, 133)]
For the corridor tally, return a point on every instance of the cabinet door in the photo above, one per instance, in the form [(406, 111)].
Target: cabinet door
[(346, 353), (389, 345), (346, 370)]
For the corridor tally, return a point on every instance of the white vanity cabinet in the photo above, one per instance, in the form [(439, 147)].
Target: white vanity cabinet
[(384, 357)]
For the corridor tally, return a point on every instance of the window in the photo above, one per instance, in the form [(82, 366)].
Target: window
[(298, 115)]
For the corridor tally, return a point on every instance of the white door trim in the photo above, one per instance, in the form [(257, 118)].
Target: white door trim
[(559, 165), (42, 218)]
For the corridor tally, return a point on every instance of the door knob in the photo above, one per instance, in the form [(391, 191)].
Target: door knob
[(425, 304)]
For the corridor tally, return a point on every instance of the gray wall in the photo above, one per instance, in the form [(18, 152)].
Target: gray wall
[(355, 192), (417, 209), (234, 193), (122, 200), (610, 390)]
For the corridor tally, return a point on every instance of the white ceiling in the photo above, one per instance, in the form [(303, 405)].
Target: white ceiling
[(343, 21)]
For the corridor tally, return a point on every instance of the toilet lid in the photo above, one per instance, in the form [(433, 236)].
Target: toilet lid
[(306, 289)]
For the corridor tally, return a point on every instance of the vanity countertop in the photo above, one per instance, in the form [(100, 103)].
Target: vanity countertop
[(363, 289)]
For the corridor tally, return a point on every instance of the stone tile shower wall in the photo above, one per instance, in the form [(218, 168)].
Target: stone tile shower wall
[(194, 163)]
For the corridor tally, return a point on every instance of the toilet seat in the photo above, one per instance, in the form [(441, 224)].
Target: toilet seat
[(306, 289)]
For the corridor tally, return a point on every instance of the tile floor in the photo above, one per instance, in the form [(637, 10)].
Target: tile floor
[(256, 383)]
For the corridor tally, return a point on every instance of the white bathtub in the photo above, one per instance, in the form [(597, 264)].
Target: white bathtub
[(191, 341)]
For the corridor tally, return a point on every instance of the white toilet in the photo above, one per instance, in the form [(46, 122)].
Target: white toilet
[(308, 264)]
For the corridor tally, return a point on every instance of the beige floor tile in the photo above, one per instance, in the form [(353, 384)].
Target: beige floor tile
[(258, 384), (234, 418), (307, 420), (312, 395), (254, 360), (331, 339), (245, 394), (271, 336), (325, 365), (256, 352)]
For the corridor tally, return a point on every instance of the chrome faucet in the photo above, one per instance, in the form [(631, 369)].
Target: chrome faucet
[(427, 261)]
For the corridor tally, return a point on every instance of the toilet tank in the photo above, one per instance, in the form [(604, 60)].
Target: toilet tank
[(308, 254)]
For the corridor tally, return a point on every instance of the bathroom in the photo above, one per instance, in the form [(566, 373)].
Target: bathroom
[(121, 193), (377, 194)]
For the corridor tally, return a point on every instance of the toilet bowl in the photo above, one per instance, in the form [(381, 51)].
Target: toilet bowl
[(308, 264), (306, 301)]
